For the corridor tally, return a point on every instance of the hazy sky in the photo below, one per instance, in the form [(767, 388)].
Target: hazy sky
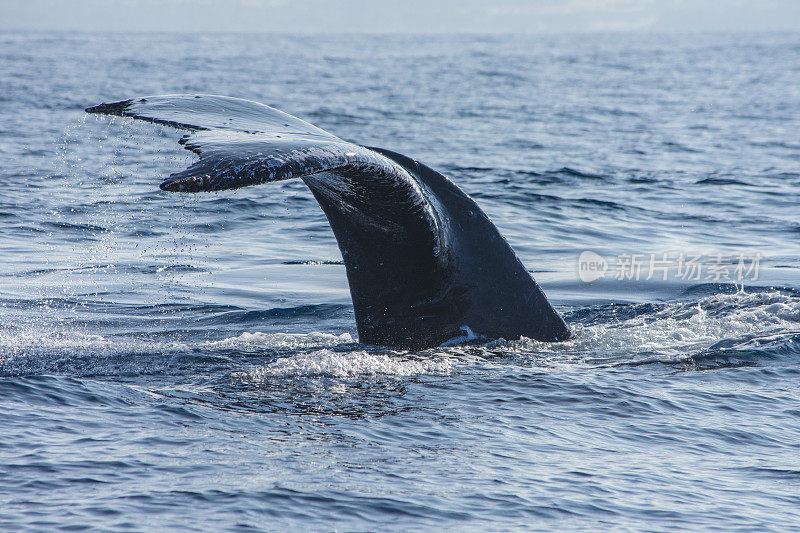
[(426, 16)]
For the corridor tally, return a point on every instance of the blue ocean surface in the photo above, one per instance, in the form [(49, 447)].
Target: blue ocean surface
[(190, 362)]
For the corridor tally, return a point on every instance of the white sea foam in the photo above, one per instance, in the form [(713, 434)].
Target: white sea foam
[(19, 342), (673, 332), (680, 329), (327, 363), (280, 340)]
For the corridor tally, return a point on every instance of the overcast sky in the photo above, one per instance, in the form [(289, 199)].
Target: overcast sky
[(384, 16)]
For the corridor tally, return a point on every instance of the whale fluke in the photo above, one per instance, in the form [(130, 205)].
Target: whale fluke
[(422, 260)]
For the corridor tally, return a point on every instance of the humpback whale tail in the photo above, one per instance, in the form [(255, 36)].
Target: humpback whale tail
[(422, 260)]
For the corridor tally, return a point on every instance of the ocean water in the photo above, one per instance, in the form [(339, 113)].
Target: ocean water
[(191, 361)]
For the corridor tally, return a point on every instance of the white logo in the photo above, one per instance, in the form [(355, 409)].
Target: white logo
[(591, 266)]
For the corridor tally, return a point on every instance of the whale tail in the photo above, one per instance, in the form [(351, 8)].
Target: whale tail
[(422, 259)]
